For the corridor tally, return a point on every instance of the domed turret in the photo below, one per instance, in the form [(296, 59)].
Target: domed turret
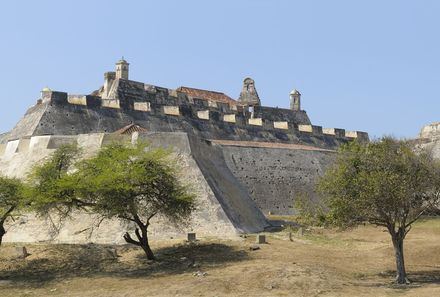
[(295, 100)]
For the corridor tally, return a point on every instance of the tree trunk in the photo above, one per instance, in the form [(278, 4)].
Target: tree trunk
[(2, 232), (144, 242), (400, 261)]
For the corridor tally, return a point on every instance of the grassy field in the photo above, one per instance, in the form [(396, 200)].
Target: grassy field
[(320, 262)]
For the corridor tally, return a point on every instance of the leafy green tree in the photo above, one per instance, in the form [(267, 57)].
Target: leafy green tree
[(50, 189), (133, 184), (11, 199), (386, 183)]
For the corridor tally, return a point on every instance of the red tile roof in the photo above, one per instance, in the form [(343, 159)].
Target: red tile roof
[(209, 95), (129, 129)]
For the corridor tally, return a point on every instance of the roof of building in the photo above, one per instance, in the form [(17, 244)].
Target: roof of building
[(130, 129), (209, 95), (122, 61)]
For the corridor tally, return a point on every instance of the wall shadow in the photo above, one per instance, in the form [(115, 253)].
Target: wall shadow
[(68, 261)]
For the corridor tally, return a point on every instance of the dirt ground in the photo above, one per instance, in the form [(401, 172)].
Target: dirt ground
[(320, 262)]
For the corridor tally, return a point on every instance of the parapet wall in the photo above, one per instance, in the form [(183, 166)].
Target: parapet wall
[(160, 109)]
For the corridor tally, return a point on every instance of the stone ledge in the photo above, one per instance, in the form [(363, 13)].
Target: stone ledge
[(230, 118), (281, 125), (256, 122), (171, 110), (142, 106), (203, 114), (77, 99), (111, 103), (305, 128)]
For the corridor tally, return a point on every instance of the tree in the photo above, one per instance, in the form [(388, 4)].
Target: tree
[(124, 182), (11, 198), (133, 184), (386, 183), (51, 191)]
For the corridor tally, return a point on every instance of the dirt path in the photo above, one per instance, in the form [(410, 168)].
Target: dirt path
[(321, 263)]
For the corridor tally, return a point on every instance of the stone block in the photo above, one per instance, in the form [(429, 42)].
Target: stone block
[(361, 136), (191, 237), (111, 103), (172, 92), (230, 118), (256, 122), (351, 134), (171, 110), (261, 238), (57, 141), (39, 142), (142, 106), (203, 114), (317, 130), (11, 147), (77, 99), (150, 88), (23, 145), (58, 97), (334, 132), (329, 131), (281, 125), (305, 128), (212, 104)]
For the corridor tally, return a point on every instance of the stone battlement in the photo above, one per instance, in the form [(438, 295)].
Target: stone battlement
[(207, 114), (140, 102)]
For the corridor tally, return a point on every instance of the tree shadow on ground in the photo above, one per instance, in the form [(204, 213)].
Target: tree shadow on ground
[(68, 261), (416, 278)]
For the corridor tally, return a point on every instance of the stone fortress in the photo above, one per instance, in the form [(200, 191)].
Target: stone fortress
[(243, 159)]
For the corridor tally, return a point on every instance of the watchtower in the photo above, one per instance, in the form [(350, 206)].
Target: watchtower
[(122, 69), (295, 100)]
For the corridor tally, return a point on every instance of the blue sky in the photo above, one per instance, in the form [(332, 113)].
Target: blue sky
[(360, 65)]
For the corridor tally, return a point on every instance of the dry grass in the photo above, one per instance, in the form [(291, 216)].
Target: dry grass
[(322, 262)]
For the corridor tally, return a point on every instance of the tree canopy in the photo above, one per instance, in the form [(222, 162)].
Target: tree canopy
[(134, 184), (388, 183), (11, 199), (127, 182)]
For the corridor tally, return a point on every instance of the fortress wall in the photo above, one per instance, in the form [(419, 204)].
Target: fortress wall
[(161, 109), (222, 206), (73, 119), (275, 176)]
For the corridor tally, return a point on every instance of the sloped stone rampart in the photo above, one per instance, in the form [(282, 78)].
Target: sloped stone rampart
[(217, 213)]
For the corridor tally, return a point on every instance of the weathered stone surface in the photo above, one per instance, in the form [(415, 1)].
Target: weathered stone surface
[(203, 114), (191, 237), (261, 238), (230, 118), (171, 110), (223, 205), (249, 95), (274, 177), (232, 183), (142, 106), (256, 122), (281, 125), (431, 131)]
